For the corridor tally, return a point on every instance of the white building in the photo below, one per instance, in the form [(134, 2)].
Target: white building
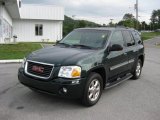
[(30, 23)]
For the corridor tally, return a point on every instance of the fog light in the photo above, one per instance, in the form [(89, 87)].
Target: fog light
[(64, 90), (75, 82)]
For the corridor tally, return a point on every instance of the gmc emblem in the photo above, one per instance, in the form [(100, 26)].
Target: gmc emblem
[(38, 69)]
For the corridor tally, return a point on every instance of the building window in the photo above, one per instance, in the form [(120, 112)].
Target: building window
[(6, 29), (20, 3), (38, 29)]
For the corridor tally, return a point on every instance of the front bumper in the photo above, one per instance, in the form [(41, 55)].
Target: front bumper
[(54, 86)]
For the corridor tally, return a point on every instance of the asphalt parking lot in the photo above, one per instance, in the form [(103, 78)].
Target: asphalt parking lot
[(131, 100)]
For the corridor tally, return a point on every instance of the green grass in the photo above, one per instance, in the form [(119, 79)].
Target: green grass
[(17, 51), (45, 42), (149, 35)]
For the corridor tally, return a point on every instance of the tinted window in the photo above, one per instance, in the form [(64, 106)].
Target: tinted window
[(117, 38), (128, 38)]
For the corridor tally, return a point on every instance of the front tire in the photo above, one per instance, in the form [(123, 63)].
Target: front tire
[(93, 90), (138, 69)]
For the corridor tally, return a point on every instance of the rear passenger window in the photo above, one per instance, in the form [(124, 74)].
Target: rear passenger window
[(128, 38), (117, 38)]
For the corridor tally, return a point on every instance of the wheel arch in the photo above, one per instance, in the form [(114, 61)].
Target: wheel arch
[(141, 57), (101, 71)]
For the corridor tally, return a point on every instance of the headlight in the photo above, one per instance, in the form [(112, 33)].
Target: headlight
[(70, 72), (23, 62)]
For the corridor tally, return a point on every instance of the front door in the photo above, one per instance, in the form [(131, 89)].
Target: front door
[(117, 60)]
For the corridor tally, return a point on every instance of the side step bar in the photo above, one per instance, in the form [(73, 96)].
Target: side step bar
[(118, 81)]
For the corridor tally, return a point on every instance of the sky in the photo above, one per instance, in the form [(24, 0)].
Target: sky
[(101, 11)]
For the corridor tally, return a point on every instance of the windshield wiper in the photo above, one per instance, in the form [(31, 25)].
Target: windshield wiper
[(84, 46), (65, 44)]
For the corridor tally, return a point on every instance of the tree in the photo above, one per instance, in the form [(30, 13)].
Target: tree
[(104, 25), (128, 21), (128, 16), (143, 24), (155, 19), (69, 24), (81, 24), (111, 24)]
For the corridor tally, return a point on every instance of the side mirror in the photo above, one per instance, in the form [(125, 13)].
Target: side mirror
[(57, 41), (115, 47), (140, 42)]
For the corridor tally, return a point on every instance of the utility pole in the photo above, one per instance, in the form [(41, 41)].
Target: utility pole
[(111, 23), (136, 7)]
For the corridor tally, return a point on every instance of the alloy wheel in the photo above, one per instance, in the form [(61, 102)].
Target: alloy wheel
[(138, 69), (94, 90)]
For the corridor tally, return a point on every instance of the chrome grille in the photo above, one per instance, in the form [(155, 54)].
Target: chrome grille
[(38, 69)]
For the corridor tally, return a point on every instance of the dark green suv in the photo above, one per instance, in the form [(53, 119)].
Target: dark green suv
[(84, 63)]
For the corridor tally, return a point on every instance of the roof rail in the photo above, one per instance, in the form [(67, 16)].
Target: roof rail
[(120, 26)]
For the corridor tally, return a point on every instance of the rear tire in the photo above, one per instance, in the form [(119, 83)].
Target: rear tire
[(93, 90), (137, 71)]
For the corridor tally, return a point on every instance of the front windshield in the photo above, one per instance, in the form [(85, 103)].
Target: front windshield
[(89, 38)]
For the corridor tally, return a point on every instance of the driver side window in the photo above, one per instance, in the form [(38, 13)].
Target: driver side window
[(117, 38)]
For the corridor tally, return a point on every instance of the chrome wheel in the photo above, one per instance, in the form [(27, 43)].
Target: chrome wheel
[(94, 90), (138, 69)]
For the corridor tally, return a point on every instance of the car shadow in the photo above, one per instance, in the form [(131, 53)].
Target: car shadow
[(31, 101)]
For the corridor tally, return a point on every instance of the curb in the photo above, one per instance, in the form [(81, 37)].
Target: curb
[(42, 45), (11, 61)]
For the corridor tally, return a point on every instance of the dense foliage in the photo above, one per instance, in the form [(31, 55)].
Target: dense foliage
[(69, 24), (155, 19), (128, 21)]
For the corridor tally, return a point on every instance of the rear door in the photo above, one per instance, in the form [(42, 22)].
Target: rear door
[(117, 60)]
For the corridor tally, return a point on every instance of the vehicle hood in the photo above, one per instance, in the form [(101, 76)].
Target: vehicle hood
[(59, 55)]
